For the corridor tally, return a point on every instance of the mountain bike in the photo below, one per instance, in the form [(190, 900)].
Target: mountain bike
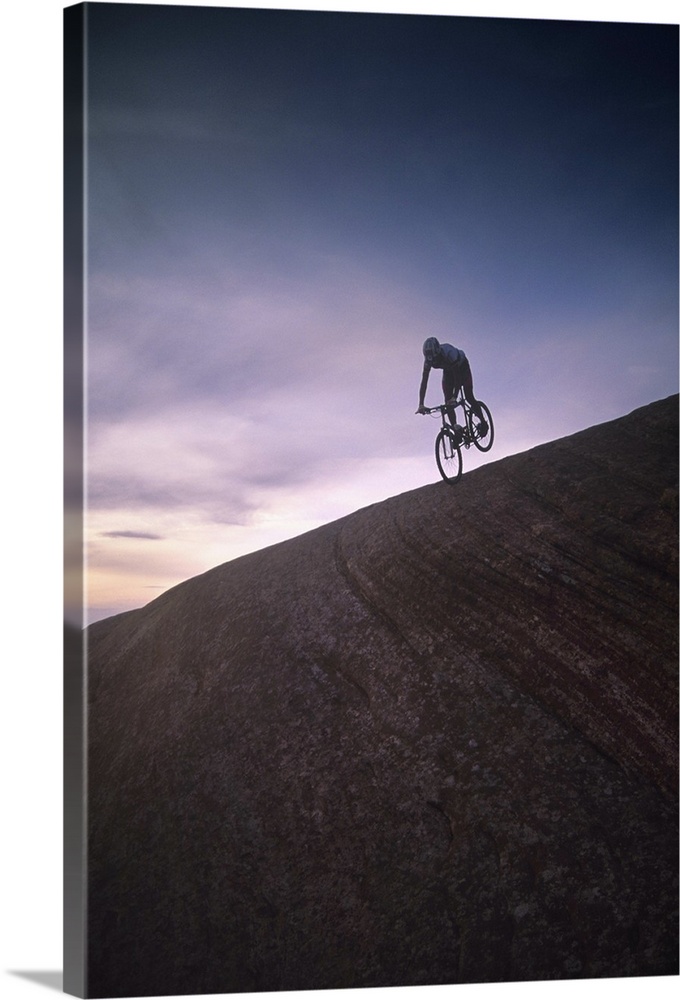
[(477, 430)]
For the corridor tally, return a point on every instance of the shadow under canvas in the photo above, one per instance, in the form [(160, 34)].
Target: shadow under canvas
[(52, 980)]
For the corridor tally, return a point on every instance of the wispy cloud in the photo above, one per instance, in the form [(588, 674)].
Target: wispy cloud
[(147, 535)]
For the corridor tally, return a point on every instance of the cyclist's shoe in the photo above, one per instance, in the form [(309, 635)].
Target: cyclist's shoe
[(458, 433), (482, 429)]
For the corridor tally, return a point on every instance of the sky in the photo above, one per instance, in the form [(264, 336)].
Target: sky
[(282, 205)]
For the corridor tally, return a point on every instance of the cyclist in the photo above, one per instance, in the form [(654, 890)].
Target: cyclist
[(455, 373)]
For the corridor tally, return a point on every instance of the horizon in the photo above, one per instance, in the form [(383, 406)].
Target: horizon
[(286, 207), (292, 538)]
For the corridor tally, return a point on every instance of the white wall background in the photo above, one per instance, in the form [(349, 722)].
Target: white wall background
[(30, 496)]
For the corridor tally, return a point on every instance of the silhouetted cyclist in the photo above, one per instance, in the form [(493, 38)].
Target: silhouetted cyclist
[(456, 372)]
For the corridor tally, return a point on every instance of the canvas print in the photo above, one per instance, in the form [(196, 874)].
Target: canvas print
[(371, 425)]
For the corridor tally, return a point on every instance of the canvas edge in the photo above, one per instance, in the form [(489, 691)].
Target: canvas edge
[(74, 673)]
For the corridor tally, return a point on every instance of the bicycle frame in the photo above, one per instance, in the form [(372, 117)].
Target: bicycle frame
[(458, 399)]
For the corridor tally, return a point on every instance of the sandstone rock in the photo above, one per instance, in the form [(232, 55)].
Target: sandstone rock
[(432, 742)]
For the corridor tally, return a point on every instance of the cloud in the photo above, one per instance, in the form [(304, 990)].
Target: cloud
[(147, 535), (230, 335)]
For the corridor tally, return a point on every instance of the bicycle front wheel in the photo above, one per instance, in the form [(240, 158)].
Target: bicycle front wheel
[(449, 458), (480, 427)]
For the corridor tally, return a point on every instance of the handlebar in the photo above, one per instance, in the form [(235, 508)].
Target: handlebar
[(442, 406)]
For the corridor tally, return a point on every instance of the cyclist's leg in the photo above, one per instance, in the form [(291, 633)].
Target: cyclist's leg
[(466, 381), (448, 388)]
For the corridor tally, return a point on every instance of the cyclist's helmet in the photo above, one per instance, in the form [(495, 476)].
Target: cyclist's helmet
[(431, 348)]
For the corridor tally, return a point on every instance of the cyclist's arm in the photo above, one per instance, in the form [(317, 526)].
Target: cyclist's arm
[(423, 386)]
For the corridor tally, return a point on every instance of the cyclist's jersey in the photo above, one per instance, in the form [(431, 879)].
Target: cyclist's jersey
[(449, 358)]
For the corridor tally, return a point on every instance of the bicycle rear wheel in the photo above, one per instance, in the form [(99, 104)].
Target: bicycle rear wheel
[(480, 427), (449, 458)]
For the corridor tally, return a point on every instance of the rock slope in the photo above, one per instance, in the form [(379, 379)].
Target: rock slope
[(432, 742)]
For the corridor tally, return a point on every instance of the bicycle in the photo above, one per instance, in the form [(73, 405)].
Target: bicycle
[(477, 430)]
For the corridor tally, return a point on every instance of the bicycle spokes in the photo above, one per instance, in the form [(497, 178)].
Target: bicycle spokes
[(448, 456), (482, 427)]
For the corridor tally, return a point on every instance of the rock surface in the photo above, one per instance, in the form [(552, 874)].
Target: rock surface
[(432, 742)]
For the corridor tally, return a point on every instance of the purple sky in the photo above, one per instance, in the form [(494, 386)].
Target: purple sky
[(282, 205)]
